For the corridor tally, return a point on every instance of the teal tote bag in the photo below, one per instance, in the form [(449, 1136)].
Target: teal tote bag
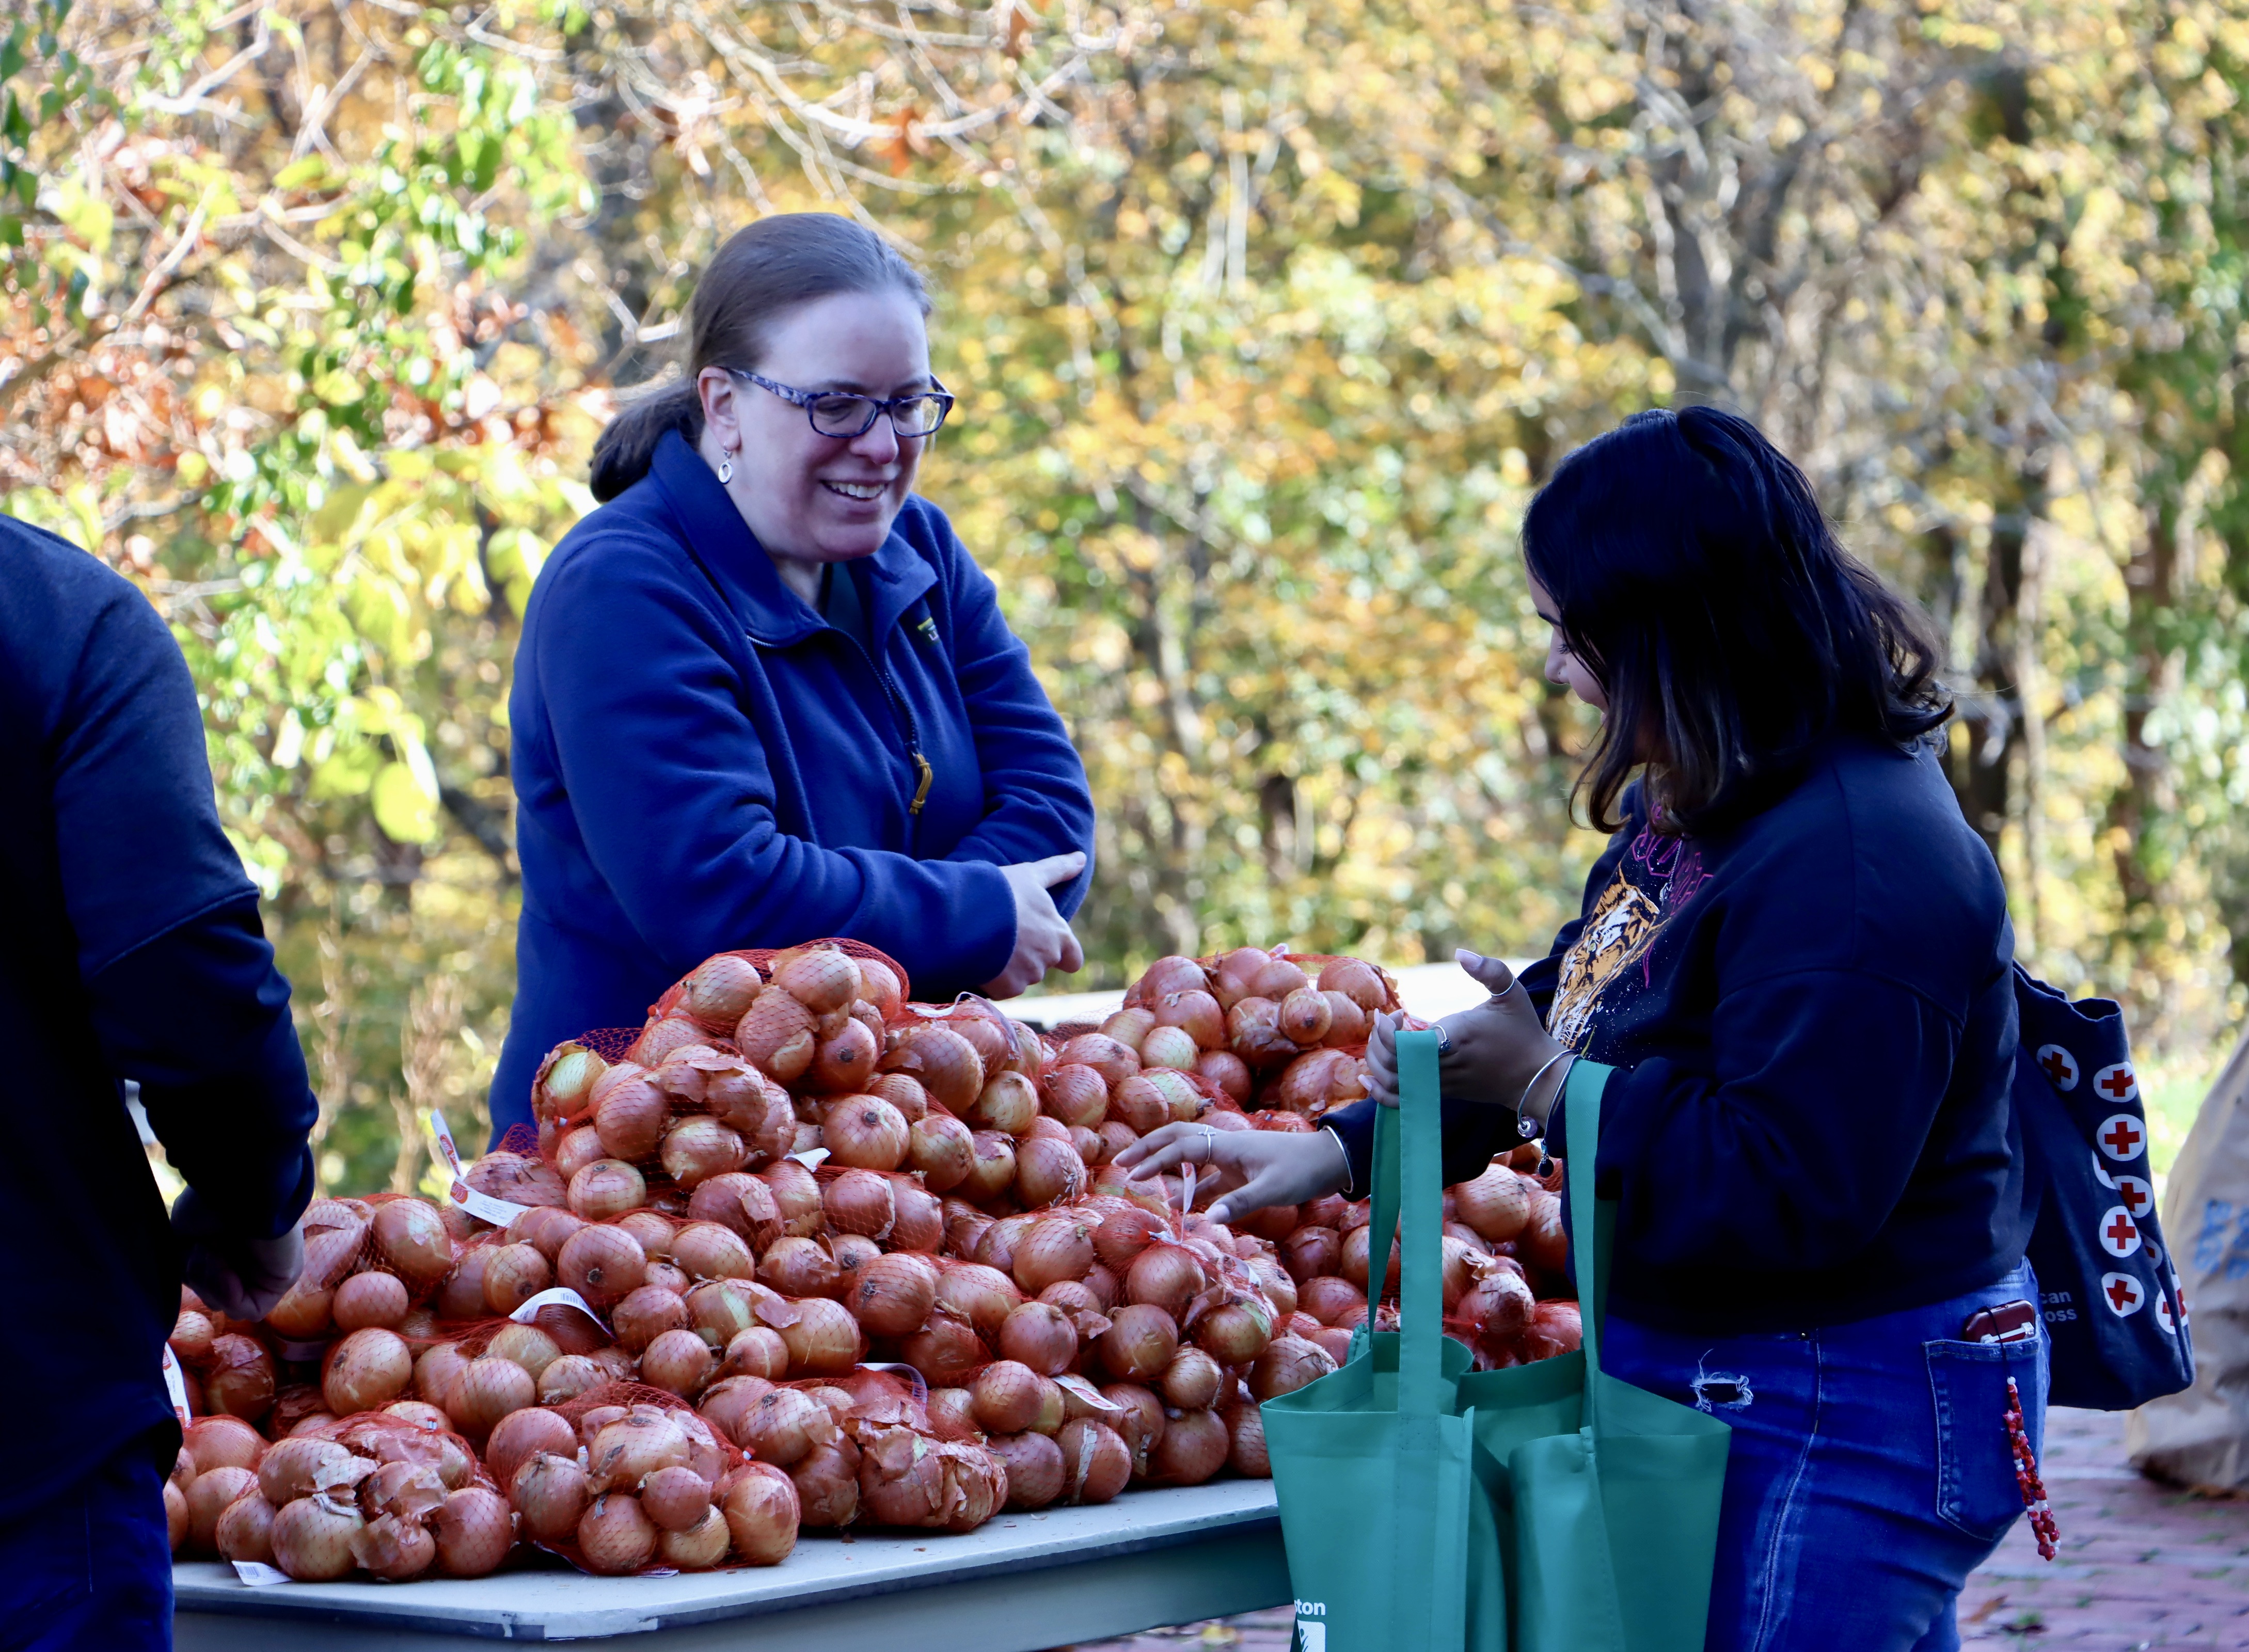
[(1548, 1508)]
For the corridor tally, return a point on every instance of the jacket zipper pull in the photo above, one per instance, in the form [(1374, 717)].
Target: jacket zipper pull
[(921, 792)]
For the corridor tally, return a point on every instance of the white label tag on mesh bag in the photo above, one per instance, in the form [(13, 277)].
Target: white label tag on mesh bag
[(557, 1297), (482, 1206), (175, 1385), (258, 1575)]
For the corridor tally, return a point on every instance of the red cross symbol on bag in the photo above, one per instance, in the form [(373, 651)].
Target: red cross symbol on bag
[(2163, 1314), (2118, 1082), (2059, 1065), (2121, 1137), (2120, 1234), (2124, 1295), (2138, 1196)]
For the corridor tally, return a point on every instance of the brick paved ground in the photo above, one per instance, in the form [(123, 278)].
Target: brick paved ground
[(2140, 1566)]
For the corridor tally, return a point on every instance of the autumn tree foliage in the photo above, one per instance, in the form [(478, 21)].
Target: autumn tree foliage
[(1266, 318)]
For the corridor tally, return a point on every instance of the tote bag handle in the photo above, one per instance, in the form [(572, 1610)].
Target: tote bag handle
[(1408, 1170), (1592, 1224)]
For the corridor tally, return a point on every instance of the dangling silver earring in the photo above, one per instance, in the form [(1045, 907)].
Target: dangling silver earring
[(726, 467)]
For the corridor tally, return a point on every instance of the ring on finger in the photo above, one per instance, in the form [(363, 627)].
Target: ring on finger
[(1209, 1143)]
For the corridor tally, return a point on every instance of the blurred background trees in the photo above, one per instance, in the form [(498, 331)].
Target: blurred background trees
[(1266, 318)]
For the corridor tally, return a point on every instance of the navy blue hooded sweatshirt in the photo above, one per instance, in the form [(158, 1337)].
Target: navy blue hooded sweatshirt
[(1813, 1017), (703, 761), (131, 949)]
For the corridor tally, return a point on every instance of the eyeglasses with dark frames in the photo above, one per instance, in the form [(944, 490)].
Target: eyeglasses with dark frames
[(834, 413)]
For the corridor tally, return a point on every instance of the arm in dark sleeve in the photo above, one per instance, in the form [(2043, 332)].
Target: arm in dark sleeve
[(656, 734), (1037, 801), (180, 983), (1473, 1132), (199, 1018), (1540, 980), (1800, 1142)]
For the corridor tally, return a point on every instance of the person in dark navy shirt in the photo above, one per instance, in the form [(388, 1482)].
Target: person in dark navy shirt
[(1795, 957), (132, 951), (764, 694)]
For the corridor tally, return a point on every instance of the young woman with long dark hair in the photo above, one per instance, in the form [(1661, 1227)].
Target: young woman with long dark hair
[(764, 694), (1796, 956)]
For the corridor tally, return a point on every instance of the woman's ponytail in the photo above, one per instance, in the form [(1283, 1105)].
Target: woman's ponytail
[(627, 445), (763, 272)]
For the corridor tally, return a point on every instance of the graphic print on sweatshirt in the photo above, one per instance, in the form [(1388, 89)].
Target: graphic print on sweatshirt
[(1659, 874)]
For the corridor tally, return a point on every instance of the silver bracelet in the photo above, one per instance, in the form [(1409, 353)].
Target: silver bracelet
[(1524, 1127), (1347, 1177)]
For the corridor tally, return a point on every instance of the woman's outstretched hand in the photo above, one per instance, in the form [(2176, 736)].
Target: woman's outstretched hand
[(1497, 1047), (1044, 940), (1253, 1168)]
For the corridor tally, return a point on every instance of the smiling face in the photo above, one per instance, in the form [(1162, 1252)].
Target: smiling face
[(813, 498), (1564, 667)]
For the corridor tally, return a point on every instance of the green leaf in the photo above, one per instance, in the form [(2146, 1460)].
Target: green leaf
[(404, 808), (12, 52), (301, 173)]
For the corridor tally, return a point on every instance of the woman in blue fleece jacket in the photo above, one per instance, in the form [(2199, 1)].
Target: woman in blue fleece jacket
[(764, 694), (1795, 958)]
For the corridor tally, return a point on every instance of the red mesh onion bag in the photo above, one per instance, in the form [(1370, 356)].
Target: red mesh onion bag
[(654, 1489), (401, 1501)]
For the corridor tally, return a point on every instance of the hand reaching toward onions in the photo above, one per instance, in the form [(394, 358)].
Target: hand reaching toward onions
[(1497, 1047), (1253, 1168), (243, 1278), (1044, 940)]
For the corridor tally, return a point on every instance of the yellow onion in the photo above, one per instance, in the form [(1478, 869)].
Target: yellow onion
[(783, 1425), (762, 1515), (725, 1402), (994, 1170), (720, 990), (948, 1065), (1138, 1103), (615, 1536), (1076, 1094), (550, 1492), (892, 1295), (941, 1150), (521, 1436), (1357, 1265), (865, 1133), (1310, 1253), (1287, 1365), (209, 1495), (582, 1147), (1048, 1171), (918, 1221), (995, 1246), (646, 1314), (904, 1091), (244, 1531), (222, 1443), (1168, 975), (1057, 1248), (565, 1078), (369, 1299), (1195, 1013), (393, 1549), (827, 1481), (1129, 1026), (1195, 1447), (1360, 982), (604, 1266), (1235, 1331), (436, 1372), (367, 1371), (411, 1239), (945, 1351), (1169, 1047), (1229, 1072), (311, 1539), (879, 986), (513, 1274), (1139, 1342), (569, 1377), (952, 1414), (488, 1390), (679, 1362), (797, 1194), (776, 1036), (1005, 1397), (1497, 1204), (627, 1448), (1274, 1284), (799, 1268), (545, 1228), (694, 1150), (1193, 1381), (981, 1296), (1245, 1427), (462, 1294), (1009, 1102), (1096, 1462), (1139, 1420), (1114, 1060), (527, 1345), (705, 1250), (1036, 1473), (824, 1340), (1555, 1328), (661, 1038), (1347, 1023), (1306, 1015), (845, 1062), (1253, 1032), (675, 1499), (906, 1480), (821, 979), (758, 1352), (1166, 1277), (739, 1201), (629, 1119), (606, 1188)]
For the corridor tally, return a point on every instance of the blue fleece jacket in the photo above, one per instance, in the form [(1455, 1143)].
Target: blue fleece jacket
[(1811, 1013), (131, 949), (702, 761)]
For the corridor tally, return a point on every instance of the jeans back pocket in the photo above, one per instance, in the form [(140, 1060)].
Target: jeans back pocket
[(1975, 1486)]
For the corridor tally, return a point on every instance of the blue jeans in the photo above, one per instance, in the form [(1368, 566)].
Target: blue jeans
[(90, 1570), (1870, 1471)]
